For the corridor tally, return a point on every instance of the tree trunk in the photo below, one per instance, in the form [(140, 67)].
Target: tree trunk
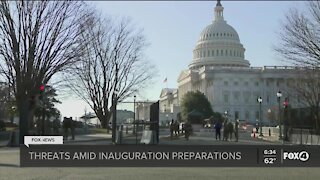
[(30, 119), (104, 123), (23, 108), (104, 120)]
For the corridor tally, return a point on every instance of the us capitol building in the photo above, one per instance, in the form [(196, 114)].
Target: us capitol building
[(220, 71)]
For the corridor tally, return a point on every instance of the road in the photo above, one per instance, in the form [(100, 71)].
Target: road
[(196, 139)]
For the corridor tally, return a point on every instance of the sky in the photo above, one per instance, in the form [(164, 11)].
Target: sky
[(172, 29)]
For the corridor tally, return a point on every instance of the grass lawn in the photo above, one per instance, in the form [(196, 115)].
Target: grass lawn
[(99, 130)]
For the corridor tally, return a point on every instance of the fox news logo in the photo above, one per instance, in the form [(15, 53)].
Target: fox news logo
[(302, 156)]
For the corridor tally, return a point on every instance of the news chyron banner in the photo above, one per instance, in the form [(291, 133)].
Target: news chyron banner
[(169, 156)]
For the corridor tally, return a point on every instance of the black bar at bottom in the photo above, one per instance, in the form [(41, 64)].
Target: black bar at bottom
[(169, 156)]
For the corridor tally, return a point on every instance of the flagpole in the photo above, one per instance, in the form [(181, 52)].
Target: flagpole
[(166, 81)]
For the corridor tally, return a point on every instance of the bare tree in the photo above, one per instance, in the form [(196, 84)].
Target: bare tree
[(37, 40), (300, 37), (306, 89), (113, 62), (300, 46)]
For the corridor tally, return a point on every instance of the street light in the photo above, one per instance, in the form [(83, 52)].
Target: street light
[(279, 94), (114, 116), (269, 111), (134, 118), (260, 128), (226, 114), (285, 118)]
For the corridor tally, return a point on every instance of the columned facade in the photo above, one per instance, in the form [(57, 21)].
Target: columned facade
[(220, 71)]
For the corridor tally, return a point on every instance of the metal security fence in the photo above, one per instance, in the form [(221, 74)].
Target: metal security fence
[(304, 136), (138, 123)]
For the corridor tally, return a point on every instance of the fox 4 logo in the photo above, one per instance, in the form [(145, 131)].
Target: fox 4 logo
[(302, 156)]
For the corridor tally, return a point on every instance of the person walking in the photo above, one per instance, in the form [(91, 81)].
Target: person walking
[(217, 128), (230, 130), (225, 130), (171, 129), (188, 130), (236, 130)]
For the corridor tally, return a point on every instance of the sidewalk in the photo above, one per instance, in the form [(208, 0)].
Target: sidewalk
[(4, 143), (274, 139), (4, 138), (87, 138), (93, 137)]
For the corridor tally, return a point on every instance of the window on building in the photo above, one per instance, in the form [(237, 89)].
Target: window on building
[(221, 52), (236, 114), (236, 83), (278, 83), (226, 98), (226, 53), (268, 97), (236, 97), (208, 53), (246, 99), (247, 115), (217, 52), (246, 83), (257, 115), (256, 83), (225, 83), (212, 53)]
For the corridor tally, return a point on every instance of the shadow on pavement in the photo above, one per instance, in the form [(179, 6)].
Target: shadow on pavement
[(9, 165)]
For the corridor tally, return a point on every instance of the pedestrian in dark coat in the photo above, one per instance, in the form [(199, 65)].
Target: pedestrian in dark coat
[(218, 127)]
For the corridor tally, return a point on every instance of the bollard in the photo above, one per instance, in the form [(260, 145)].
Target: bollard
[(269, 132)]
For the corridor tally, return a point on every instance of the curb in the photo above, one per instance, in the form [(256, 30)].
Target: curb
[(89, 140)]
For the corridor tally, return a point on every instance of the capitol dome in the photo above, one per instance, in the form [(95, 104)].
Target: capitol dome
[(219, 45)]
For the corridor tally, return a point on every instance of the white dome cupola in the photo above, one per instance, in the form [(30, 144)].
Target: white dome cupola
[(219, 45)]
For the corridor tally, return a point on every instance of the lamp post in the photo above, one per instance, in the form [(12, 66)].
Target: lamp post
[(260, 127), (226, 114), (85, 119), (114, 116), (269, 111), (134, 118), (279, 94), (285, 118), (13, 110), (134, 114)]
